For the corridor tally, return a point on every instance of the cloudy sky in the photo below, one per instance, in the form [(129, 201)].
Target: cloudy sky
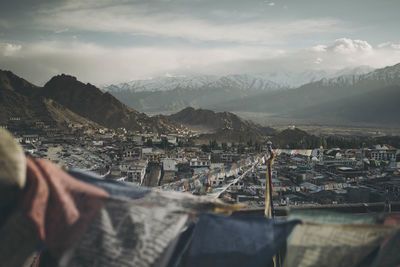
[(108, 41)]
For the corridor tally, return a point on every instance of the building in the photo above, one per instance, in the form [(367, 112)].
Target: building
[(383, 154), (169, 165), (202, 161), (30, 138), (230, 157), (136, 173), (132, 154), (134, 170), (172, 139)]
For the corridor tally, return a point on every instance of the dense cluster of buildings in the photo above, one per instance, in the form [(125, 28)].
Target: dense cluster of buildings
[(299, 177), (312, 177)]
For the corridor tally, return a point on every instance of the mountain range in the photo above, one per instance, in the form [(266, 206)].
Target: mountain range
[(65, 100), (367, 98), (171, 94), (176, 93), (356, 95)]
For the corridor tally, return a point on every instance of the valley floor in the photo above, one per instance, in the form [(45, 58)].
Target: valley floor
[(318, 127)]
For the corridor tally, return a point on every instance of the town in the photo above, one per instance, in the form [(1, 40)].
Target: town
[(233, 172)]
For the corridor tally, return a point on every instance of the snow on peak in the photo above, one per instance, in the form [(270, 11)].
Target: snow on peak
[(169, 82), (264, 81)]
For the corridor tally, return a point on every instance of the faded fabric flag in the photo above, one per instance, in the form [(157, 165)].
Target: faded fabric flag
[(334, 244), (235, 241), (95, 223), (323, 216), (114, 188)]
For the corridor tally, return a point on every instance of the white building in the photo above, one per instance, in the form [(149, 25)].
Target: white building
[(147, 150), (98, 143), (383, 154), (134, 170), (137, 173), (172, 139), (138, 139), (200, 162), (169, 165), (30, 138)]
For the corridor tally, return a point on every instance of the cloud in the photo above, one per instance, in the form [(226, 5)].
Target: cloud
[(4, 24), (139, 20), (348, 46), (318, 60), (97, 64), (341, 53), (319, 48), (8, 49), (102, 41), (345, 52), (389, 45), (61, 30)]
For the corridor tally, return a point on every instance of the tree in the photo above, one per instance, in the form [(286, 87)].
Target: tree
[(213, 144), (224, 146), (149, 142), (164, 143), (257, 146), (299, 179), (205, 148), (241, 149), (250, 143)]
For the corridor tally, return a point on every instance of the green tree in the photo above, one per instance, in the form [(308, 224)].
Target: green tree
[(149, 142), (205, 148), (299, 179), (224, 146), (213, 144), (250, 143), (164, 143)]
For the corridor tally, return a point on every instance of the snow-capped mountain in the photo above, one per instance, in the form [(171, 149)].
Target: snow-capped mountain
[(239, 81), (238, 90), (297, 79), (352, 97), (366, 76), (245, 82), (263, 81), (388, 74), (360, 70), (166, 83)]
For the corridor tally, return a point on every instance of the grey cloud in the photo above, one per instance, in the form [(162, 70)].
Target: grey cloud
[(115, 40), (99, 65)]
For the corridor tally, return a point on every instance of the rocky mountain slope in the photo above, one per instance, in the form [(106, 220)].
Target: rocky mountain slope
[(21, 99), (65, 99), (221, 126)]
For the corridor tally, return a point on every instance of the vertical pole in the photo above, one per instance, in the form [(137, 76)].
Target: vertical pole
[(269, 205), (268, 199)]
